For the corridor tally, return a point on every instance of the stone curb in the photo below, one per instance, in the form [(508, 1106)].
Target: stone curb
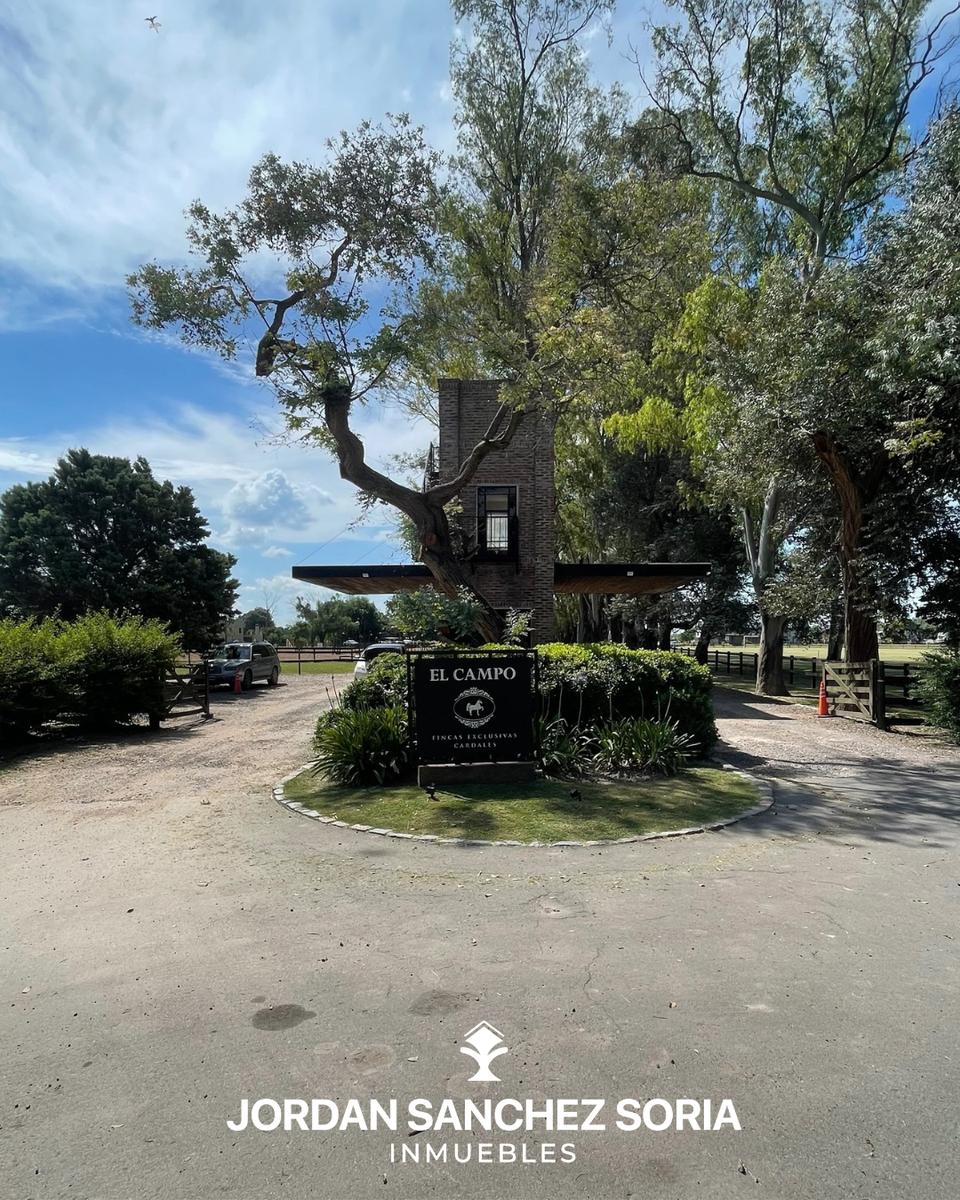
[(763, 786)]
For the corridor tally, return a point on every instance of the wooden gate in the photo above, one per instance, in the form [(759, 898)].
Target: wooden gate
[(856, 690), (186, 693)]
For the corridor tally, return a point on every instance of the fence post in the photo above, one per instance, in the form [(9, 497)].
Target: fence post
[(878, 693), (790, 660)]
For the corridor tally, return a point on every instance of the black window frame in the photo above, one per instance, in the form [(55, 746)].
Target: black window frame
[(512, 551)]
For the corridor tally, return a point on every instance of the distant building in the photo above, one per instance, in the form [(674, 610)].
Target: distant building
[(509, 513)]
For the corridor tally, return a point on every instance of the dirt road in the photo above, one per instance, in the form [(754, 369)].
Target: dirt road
[(162, 958), (251, 740)]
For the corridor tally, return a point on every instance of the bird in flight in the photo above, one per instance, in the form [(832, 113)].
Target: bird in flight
[(153, 23)]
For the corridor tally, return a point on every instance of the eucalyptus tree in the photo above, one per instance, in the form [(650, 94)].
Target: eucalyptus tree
[(796, 113), (373, 261)]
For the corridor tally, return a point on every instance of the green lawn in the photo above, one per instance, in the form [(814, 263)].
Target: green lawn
[(318, 668), (889, 651), (544, 811)]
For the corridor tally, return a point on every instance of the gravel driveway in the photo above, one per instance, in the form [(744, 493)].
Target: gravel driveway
[(253, 739), (162, 958)]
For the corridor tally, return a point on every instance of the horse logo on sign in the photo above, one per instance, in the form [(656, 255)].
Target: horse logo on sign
[(474, 707)]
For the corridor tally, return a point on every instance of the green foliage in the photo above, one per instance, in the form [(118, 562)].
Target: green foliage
[(98, 671), (34, 687), (583, 686), (102, 534), (593, 683), (516, 626), (333, 622), (637, 744), (427, 615), (114, 666), (384, 685), (565, 749), (361, 747), (261, 617), (939, 689)]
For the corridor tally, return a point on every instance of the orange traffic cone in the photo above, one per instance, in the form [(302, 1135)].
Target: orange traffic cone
[(822, 709), (237, 683)]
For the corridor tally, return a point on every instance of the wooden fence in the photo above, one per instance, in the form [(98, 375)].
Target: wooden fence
[(805, 671), (856, 690), (303, 654), (186, 693)]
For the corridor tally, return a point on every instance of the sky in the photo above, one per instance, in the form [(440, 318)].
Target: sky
[(109, 130)]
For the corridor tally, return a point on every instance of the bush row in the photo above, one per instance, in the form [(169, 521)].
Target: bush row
[(585, 685), (95, 671), (601, 705)]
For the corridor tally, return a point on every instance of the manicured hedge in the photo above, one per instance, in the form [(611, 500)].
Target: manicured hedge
[(96, 671), (586, 685), (604, 681)]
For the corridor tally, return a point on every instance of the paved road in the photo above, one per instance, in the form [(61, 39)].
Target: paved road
[(162, 958)]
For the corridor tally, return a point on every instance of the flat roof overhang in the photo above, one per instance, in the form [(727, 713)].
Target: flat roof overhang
[(624, 579), (604, 579)]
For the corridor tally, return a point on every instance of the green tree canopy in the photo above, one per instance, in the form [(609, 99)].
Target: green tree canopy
[(103, 534), (258, 617)]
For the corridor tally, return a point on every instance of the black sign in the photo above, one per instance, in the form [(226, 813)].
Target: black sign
[(475, 707)]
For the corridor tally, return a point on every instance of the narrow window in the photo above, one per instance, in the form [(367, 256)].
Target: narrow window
[(497, 523)]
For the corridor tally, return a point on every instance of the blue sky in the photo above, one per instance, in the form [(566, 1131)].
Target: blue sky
[(110, 130)]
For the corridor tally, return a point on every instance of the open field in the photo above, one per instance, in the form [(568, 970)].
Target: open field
[(548, 810), (889, 651), (331, 667)]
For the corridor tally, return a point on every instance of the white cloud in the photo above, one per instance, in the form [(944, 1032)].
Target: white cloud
[(260, 496), (269, 502), (110, 130)]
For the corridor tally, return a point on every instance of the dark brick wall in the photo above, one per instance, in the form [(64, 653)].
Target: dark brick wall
[(467, 406)]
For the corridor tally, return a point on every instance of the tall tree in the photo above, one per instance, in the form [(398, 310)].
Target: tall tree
[(258, 618), (797, 113), (102, 533), (373, 221)]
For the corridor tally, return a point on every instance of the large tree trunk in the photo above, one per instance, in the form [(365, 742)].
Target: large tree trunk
[(583, 618), (859, 620), (664, 634), (425, 509), (835, 636), (770, 680), (702, 648), (762, 548)]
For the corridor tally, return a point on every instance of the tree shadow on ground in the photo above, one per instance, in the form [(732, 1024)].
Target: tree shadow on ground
[(732, 705)]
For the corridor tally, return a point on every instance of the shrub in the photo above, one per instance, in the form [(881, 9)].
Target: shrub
[(939, 688), (363, 747), (595, 683), (564, 749), (98, 670), (383, 686), (585, 685), (115, 666), (639, 744), (33, 685)]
